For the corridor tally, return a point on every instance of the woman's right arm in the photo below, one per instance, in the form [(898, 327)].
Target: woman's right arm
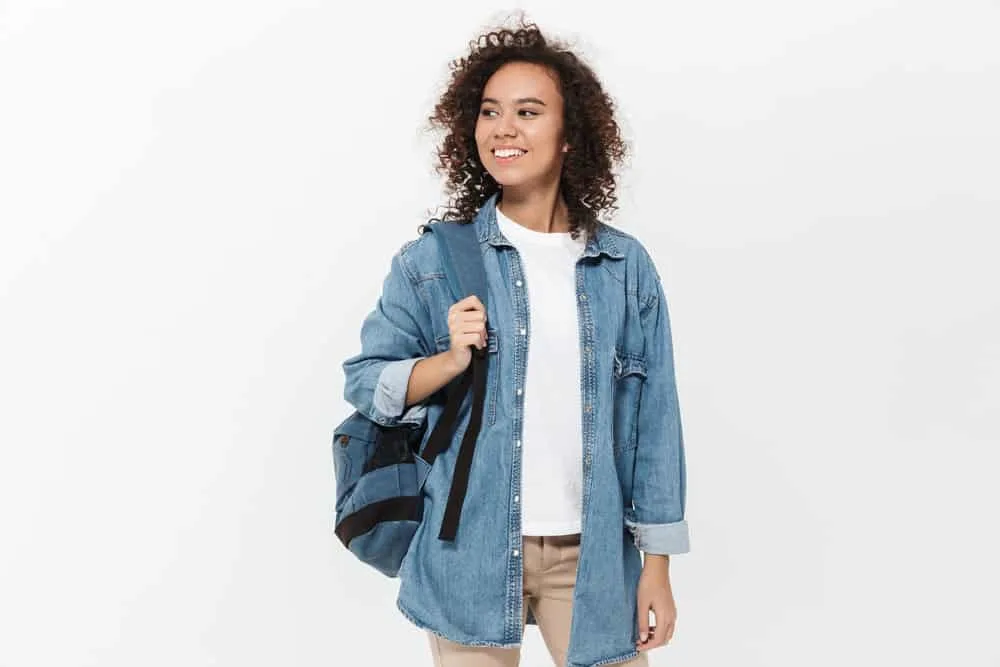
[(395, 335), (396, 370)]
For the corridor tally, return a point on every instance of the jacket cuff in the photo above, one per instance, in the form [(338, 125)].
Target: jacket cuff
[(389, 400), (660, 538)]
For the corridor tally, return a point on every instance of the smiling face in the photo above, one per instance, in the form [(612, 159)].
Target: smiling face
[(519, 131)]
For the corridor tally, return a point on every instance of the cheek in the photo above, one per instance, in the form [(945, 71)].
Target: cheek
[(545, 137), (546, 148), (484, 128), (482, 136)]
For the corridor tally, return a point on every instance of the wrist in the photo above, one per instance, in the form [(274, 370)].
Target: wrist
[(656, 560), (452, 368)]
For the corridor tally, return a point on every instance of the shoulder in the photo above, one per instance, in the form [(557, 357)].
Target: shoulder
[(636, 256), (421, 256)]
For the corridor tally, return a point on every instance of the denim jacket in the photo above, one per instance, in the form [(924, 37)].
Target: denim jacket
[(470, 590)]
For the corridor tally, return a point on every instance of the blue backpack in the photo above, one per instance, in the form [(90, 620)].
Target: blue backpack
[(380, 470)]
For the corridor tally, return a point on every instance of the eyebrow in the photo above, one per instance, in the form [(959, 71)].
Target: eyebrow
[(521, 100)]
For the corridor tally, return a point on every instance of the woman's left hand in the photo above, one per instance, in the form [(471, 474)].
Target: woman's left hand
[(654, 593)]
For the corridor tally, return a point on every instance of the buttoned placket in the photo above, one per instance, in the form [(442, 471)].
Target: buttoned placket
[(587, 389), (519, 298)]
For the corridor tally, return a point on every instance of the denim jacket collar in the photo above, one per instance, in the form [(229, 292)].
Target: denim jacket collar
[(602, 242)]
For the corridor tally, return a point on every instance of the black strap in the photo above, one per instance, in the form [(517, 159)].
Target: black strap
[(399, 508), (440, 437), (463, 463)]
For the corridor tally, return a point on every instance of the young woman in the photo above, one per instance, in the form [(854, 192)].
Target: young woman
[(579, 468)]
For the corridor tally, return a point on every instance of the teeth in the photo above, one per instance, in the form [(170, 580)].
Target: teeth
[(508, 152)]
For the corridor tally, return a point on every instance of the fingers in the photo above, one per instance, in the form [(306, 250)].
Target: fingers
[(659, 636), (468, 317), (659, 633), (644, 605), (467, 322), (477, 340), (463, 324), (470, 302)]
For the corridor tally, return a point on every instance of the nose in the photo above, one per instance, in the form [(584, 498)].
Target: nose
[(504, 128)]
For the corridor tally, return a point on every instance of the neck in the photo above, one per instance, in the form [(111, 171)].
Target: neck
[(538, 209)]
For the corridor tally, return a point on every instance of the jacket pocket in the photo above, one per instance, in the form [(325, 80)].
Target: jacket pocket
[(443, 344), (629, 376)]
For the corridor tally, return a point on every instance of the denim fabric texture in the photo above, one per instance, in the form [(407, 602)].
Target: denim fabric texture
[(470, 591)]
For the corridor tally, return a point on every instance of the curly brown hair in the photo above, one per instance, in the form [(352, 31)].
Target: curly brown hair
[(588, 178)]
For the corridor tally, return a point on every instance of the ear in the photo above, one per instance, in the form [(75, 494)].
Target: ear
[(565, 148)]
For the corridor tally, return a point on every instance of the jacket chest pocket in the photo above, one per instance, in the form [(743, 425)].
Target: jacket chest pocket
[(629, 377), (443, 344)]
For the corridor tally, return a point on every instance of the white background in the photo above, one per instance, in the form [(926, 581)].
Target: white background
[(199, 201)]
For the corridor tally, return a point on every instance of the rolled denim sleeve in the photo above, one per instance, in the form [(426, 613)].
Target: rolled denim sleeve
[(656, 519), (394, 338)]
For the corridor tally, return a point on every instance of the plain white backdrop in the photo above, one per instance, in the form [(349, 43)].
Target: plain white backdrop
[(199, 201)]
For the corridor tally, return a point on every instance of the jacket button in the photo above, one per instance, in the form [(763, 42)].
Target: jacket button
[(344, 440)]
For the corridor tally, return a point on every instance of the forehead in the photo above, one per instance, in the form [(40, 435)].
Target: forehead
[(519, 79)]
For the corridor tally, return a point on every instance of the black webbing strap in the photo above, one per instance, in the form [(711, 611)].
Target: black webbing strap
[(463, 463), (440, 437), (399, 508)]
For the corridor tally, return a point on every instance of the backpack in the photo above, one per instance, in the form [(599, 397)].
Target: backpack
[(380, 470)]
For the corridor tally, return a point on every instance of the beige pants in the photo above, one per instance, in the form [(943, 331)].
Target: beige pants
[(549, 576)]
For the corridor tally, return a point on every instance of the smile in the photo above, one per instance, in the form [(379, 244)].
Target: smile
[(507, 155)]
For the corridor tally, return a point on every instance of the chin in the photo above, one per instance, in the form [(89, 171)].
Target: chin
[(512, 181)]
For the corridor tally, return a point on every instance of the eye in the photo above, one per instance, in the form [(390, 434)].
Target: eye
[(533, 113), (486, 112)]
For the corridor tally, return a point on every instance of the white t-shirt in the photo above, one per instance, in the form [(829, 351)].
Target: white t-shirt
[(552, 440)]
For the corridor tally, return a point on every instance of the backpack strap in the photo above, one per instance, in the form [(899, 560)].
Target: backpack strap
[(463, 265), (462, 259)]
